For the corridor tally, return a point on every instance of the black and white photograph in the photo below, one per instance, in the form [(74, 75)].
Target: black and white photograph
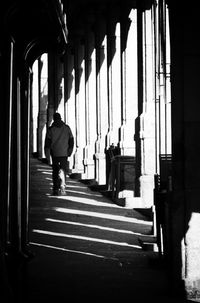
[(99, 182)]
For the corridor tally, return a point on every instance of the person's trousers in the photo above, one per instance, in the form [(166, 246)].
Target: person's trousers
[(59, 171)]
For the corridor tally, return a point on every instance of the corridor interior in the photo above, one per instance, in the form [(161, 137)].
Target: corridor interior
[(85, 247)]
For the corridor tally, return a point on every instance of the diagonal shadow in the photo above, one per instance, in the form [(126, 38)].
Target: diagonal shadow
[(82, 219)]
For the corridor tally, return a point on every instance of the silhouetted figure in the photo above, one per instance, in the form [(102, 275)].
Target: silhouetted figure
[(59, 143)]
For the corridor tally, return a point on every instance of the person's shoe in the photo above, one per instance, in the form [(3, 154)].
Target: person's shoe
[(62, 192)]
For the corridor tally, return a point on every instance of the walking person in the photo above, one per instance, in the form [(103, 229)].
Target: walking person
[(59, 143)]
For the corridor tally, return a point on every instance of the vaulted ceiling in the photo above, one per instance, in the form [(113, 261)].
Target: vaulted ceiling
[(39, 25), (34, 25)]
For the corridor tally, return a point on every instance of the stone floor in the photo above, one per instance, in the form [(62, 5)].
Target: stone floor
[(87, 248)]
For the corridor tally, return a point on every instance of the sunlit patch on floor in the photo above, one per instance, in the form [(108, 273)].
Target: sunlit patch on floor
[(84, 193), (94, 226), (102, 215), (87, 201), (73, 251), (55, 234)]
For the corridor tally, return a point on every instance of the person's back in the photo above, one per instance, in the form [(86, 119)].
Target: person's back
[(59, 144), (60, 135)]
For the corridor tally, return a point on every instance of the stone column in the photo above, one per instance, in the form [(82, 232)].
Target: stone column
[(61, 104), (35, 104), (42, 114), (8, 155), (19, 164), (70, 99), (185, 207), (90, 106), (145, 123), (114, 76), (79, 106), (162, 85), (102, 104), (129, 105), (52, 100), (163, 95), (129, 84)]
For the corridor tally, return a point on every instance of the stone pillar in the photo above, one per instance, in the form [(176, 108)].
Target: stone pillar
[(185, 207), (102, 104), (114, 76), (79, 106), (129, 84), (129, 104), (35, 104), (52, 100), (7, 150), (43, 100), (162, 85), (56, 102), (70, 99), (145, 123), (90, 106), (61, 105), (19, 165)]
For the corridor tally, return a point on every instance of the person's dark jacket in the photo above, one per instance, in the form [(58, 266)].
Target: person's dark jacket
[(59, 139)]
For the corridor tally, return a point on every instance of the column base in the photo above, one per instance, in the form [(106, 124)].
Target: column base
[(146, 190), (100, 161), (129, 202)]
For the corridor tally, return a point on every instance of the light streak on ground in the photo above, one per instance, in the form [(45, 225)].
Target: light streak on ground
[(50, 233)]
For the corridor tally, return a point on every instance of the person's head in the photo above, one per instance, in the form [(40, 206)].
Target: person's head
[(57, 117)]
